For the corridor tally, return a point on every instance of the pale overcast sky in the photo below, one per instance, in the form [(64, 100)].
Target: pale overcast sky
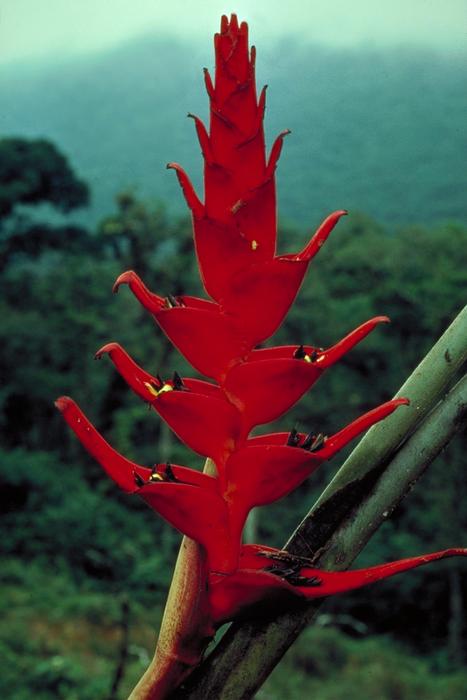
[(47, 28)]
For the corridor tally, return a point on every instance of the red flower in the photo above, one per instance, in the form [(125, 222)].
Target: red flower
[(191, 502), (213, 422), (235, 228), (252, 289)]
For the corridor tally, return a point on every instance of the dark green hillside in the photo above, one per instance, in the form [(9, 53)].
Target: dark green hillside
[(377, 131)]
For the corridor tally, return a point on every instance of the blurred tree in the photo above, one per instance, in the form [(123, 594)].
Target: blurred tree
[(34, 171), (141, 237)]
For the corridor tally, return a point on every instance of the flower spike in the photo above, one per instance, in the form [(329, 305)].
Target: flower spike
[(251, 289), (235, 232)]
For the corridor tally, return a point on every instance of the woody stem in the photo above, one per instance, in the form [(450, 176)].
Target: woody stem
[(171, 662)]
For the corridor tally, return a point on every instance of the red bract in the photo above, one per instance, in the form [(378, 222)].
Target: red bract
[(198, 328), (187, 499), (265, 470), (271, 381), (256, 293), (195, 410), (260, 295), (287, 577), (251, 290), (268, 467)]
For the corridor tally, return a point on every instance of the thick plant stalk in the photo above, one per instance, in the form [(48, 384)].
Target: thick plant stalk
[(182, 604), (365, 490), (167, 666)]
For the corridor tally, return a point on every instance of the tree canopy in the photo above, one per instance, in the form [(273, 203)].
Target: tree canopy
[(33, 172)]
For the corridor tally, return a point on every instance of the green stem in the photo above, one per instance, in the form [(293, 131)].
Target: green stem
[(424, 388), (364, 491)]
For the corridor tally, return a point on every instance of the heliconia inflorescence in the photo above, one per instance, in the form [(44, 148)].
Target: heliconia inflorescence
[(250, 289)]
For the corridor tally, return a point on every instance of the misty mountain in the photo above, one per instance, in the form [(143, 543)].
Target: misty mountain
[(377, 131)]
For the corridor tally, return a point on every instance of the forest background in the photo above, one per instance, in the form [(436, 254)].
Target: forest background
[(84, 196)]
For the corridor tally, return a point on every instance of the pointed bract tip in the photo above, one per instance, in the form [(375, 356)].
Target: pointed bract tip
[(401, 402), (63, 402), (233, 22), (124, 278), (322, 232), (338, 214), (192, 199), (456, 552), (106, 350)]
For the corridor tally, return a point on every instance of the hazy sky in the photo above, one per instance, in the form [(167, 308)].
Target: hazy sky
[(41, 28)]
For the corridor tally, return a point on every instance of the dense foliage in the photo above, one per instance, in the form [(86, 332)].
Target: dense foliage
[(33, 172), (75, 545)]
